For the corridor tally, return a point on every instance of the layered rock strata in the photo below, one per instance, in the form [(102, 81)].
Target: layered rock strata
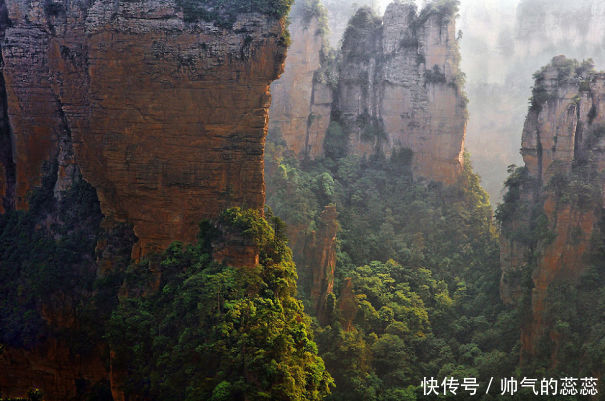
[(163, 113), (300, 111), (400, 87), (167, 117), (559, 199)]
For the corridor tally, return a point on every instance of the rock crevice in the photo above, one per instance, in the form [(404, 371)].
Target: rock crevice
[(548, 225)]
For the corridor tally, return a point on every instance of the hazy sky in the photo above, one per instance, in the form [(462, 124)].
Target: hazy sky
[(503, 43)]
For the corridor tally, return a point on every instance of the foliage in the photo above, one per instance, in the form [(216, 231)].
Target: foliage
[(514, 207), (424, 262), (568, 71), (336, 142), (360, 29), (576, 314), (435, 75), (372, 129), (208, 332), (446, 10), (220, 333), (570, 340)]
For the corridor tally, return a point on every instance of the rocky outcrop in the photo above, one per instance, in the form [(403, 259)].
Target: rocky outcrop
[(315, 254), (347, 305), (300, 110), (51, 367), (400, 87), (557, 200), (167, 116), (320, 257), (396, 84), (162, 112)]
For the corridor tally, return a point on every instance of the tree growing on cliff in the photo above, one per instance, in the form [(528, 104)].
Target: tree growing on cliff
[(212, 332)]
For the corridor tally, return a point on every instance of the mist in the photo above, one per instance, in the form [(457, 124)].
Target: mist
[(503, 43)]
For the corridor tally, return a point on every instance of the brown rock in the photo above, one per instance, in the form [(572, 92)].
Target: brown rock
[(562, 130), (300, 111), (167, 118), (347, 305), (320, 257), (51, 367)]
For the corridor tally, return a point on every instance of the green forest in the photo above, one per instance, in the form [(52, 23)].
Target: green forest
[(415, 293), (428, 300)]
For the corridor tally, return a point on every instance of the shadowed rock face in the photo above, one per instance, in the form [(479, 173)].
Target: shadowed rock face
[(562, 143), (397, 85), (300, 110), (400, 87), (167, 117), (320, 257)]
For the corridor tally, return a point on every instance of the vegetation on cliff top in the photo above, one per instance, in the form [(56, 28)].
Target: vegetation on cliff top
[(566, 72), (568, 341), (308, 10), (219, 333), (446, 10), (183, 326)]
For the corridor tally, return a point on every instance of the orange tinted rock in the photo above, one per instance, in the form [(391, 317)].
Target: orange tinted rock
[(320, 257), (559, 133), (300, 111), (563, 258), (167, 118)]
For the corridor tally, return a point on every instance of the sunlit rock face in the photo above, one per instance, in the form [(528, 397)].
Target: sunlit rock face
[(164, 116), (300, 110), (561, 199), (504, 42), (400, 87), (167, 118)]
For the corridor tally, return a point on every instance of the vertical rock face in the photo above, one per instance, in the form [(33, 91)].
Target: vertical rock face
[(559, 199), (320, 257), (315, 254), (167, 117), (51, 367), (400, 87), (300, 110), (397, 85), (164, 114)]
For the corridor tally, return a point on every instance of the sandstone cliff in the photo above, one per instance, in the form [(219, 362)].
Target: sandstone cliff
[(300, 110), (400, 87), (555, 202), (162, 112), (167, 117), (395, 84), (320, 256)]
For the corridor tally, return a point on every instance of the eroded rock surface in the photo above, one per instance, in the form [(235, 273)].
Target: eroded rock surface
[(167, 117), (559, 200), (400, 87)]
